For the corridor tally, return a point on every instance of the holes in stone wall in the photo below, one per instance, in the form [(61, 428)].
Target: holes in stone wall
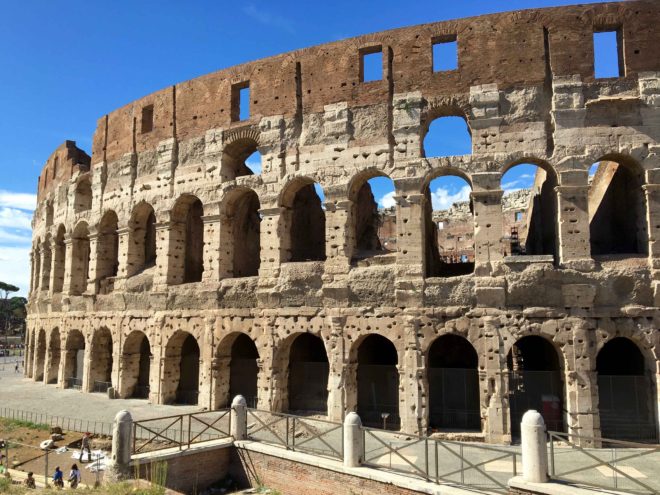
[(608, 54), (617, 209), (445, 54), (448, 227), (246, 222), (80, 259), (189, 234), (371, 64), (107, 256)]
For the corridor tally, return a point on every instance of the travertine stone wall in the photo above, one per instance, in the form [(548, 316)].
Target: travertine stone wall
[(526, 87)]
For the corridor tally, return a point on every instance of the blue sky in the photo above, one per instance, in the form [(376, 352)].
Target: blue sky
[(67, 63)]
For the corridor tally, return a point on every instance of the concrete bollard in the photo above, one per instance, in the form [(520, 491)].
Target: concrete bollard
[(119, 467), (353, 440), (238, 413), (534, 449)]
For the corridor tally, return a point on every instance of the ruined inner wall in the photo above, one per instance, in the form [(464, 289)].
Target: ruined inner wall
[(525, 85)]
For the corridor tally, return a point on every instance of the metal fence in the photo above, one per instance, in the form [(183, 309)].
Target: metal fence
[(439, 461), (619, 465), (64, 422), (102, 387), (302, 434), (74, 383), (180, 431)]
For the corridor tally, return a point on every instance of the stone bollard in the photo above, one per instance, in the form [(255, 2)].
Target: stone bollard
[(353, 440), (534, 448), (238, 413), (119, 467)]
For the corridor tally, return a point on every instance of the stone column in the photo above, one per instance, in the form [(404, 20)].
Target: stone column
[(68, 264), (269, 269), (212, 247), (123, 260), (120, 467), (29, 355), (411, 246), (220, 369), (488, 227), (411, 374), (68, 359), (207, 351), (534, 450), (54, 283), (32, 268), (128, 366), (494, 385), (574, 247), (44, 271), (652, 191), (339, 235), (353, 440), (239, 418), (94, 261), (170, 240), (336, 386), (87, 382)]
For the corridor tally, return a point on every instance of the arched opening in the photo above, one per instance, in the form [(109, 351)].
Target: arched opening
[(373, 217), (240, 158), (448, 227), (136, 365), (243, 370), (142, 239), (304, 222), (101, 360), (378, 382), (453, 385), (36, 265), (80, 259), (187, 215), (74, 359), (107, 254), (47, 259), (49, 214), (182, 369), (53, 357), (530, 190), (58, 260), (242, 224), (40, 356), (625, 397), (448, 136), (617, 209), (535, 382), (308, 375), (83, 195)]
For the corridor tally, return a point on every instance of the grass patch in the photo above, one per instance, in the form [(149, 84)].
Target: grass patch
[(13, 424)]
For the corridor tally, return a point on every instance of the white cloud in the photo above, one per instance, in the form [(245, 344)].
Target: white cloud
[(15, 237), (512, 186), (268, 19), (15, 219), (387, 201), (23, 201), (15, 267), (442, 199)]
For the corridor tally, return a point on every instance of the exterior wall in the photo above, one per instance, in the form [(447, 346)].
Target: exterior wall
[(313, 121)]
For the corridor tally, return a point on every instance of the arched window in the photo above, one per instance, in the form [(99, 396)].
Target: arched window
[(142, 239), (378, 382), (74, 359), (46, 261), (303, 222), (530, 190), (617, 209), (308, 374), (241, 234), (80, 259), (83, 195), (136, 366), (241, 157), (51, 373), (100, 376), (243, 370), (373, 217), (449, 227), (58, 260), (107, 261), (447, 136), (187, 216)]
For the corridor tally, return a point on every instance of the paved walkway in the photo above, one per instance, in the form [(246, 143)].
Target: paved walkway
[(18, 392)]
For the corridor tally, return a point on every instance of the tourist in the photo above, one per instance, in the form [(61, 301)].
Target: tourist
[(85, 445), (74, 476), (29, 481), (16, 368), (58, 478)]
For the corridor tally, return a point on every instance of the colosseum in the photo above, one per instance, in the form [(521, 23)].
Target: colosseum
[(163, 268)]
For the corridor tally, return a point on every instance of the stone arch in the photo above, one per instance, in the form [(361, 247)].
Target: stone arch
[(369, 227), (59, 255), (437, 121), (107, 248), (626, 402), (308, 370), (181, 375), (136, 366), (188, 235), (36, 265), (100, 361), (617, 207), (536, 233), (536, 382), (51, 373), (83, 195), (235, 154), (40, 356), (237, 369), (377, 381), (241, 233), (46, 262), (302, 222), (142, 239), (74, 359), (453, 384), (49, 213), (80, 259)]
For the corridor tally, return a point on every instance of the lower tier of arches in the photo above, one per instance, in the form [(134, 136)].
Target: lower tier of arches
[(430, 372)]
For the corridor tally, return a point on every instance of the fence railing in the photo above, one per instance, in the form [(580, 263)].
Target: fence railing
[(102, 387), (302, 434), (619, 465), (441, 461), (64, 422), (74, 383), (180, 431)]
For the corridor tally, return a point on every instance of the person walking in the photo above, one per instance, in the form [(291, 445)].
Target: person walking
[(85, 445), (58, 478), (16, 368), (74, 477)]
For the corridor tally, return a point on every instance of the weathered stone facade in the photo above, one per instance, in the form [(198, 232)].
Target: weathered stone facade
[(162, 268)]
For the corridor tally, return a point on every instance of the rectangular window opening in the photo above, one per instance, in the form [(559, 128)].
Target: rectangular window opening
[(240, 101), (445, 54), (371, 64), (147, 119), (608, 54)]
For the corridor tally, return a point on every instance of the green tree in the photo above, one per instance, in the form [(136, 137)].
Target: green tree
[(5, 290)]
